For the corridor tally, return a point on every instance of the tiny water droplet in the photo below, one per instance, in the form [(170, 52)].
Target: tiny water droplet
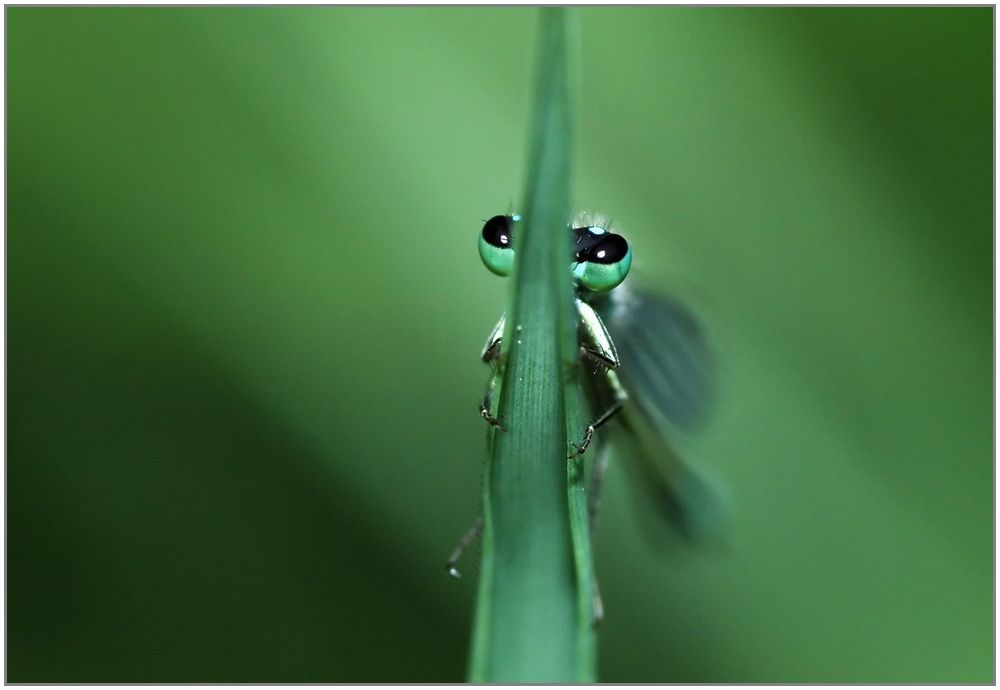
[(453, 571), (519, 327)]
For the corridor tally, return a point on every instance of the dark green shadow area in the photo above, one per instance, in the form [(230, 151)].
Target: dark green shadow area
[(162, 525)]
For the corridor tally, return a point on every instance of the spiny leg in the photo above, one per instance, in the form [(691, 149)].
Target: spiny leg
[(595, 340), (486, 406), (620, 397), (597, 357), (597, 346), (491, 350), (463, 545), (491, 355)]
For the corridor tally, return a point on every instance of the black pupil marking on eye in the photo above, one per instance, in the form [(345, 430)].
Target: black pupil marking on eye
[(497, 231), (599, 247)]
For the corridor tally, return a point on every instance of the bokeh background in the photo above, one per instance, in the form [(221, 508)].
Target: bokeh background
[(245, 308)]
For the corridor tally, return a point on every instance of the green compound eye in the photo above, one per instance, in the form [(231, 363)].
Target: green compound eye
[(496, 244), (602, 259)]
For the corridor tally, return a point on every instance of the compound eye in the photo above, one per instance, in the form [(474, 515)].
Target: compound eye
[(604, 264), (496, 244)]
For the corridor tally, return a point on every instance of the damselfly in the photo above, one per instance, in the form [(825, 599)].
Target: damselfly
[(662, 380)]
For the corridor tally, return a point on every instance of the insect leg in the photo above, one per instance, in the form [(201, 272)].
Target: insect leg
[(491, 351), (620, 398), (491, 355), (486, 406), (463, 544), (596, 345), (595, 341)]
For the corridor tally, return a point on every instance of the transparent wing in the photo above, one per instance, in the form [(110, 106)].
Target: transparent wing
[(665, 355), (692, 502), (668, 371)]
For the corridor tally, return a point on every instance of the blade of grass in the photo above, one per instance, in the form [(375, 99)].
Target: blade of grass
[(533, 617), (579, 519)]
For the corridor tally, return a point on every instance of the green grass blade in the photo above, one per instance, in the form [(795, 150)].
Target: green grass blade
[(579, 516), (533, 620)]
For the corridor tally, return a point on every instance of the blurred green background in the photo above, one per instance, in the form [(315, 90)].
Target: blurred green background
[(245, 309)]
